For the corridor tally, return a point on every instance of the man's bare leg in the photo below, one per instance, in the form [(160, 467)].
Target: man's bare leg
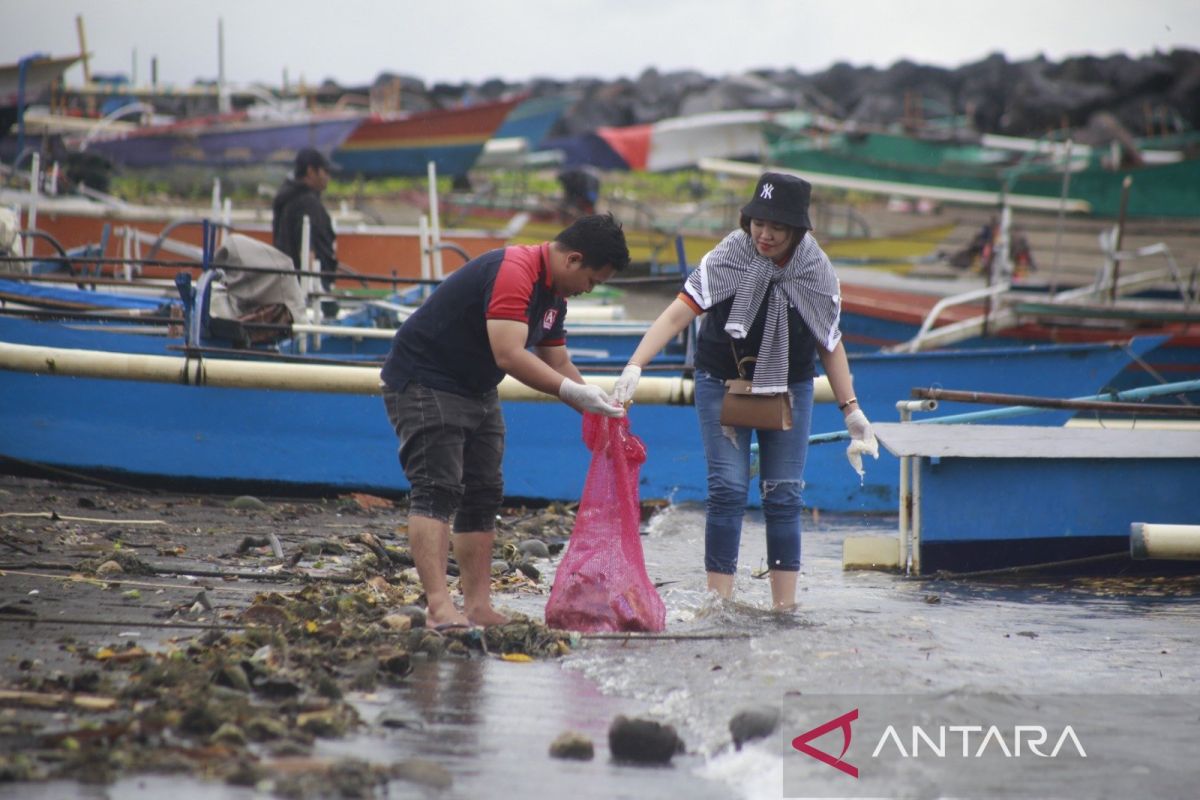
[(429, 540), (473, 551), (721, 583)]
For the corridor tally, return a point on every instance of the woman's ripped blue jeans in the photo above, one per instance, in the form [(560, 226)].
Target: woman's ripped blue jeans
[(781, 456)]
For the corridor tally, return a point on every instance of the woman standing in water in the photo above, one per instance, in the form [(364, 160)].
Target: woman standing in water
[(771, 300)]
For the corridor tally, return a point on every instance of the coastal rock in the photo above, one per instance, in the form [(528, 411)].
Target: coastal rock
[(753, 723), (397, 622), (424, 773), (642, 741), (572, 745), (247, 503), (534, 548)]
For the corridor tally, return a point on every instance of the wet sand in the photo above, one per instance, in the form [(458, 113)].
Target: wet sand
[(482, 725), (476, 722)]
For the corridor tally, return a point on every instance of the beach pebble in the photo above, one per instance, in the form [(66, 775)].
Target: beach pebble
[(642, 741), (247, 503), (534, 548), (570, 744), (415, 614), (228, 733), (397, 622), (753, 723), (109, 568), (425, 773), (391, 718), (499, 567)]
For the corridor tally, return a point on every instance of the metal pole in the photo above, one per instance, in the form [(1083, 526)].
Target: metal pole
[(1016, 411), (906, 409), (222, 96), (434, 225), (1116, 274), (997, 398), (83, 53), (35, 181), (1062, 210)]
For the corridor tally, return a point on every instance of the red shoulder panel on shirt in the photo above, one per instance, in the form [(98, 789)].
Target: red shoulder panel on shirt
[(517, 275)]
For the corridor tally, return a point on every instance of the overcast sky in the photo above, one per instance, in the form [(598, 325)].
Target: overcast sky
[(352, 41)]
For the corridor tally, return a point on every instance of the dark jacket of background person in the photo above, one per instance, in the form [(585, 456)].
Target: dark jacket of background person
[(292, 203)]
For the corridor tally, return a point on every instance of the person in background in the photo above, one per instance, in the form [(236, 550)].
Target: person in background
[(767, 292), (501, 313), (300, 197)]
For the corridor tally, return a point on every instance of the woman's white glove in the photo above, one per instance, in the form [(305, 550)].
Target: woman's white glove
[(862, 440), (586, 397), (627, 384)]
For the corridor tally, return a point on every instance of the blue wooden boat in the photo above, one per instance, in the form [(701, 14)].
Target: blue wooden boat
[(225, 141), (875, 317), (404, 144), (533, 119), (988, 496), (298, 439)]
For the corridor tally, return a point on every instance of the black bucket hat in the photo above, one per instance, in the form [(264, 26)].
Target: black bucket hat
[(781, 198), (312, 157)]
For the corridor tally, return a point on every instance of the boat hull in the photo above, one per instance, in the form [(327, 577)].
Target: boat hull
[(993, 497), (1158, 190), (173, 432), (403, 146), (224, 145)]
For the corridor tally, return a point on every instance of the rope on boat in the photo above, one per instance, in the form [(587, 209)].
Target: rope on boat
[(1017, 570)]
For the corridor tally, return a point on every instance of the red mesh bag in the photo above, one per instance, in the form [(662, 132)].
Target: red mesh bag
[(601, 584)]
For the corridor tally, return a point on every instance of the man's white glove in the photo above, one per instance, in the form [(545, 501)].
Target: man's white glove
[(862, 440), (627, 384), (586, 397)]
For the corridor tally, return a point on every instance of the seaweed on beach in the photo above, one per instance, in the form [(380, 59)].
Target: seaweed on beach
[(282, 625)]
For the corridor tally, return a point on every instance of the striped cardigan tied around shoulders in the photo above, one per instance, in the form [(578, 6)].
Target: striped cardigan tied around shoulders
[(807, 283)]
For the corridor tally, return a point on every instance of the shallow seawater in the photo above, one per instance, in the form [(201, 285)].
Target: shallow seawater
[(490, 723), (862, 632)]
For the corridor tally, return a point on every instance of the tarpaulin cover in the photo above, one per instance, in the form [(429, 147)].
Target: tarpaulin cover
[(601, 584)]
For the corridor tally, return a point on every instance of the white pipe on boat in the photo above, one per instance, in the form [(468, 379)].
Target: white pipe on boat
[(227, 218), (423, 243), (35, 168), (344, 331), (1155, 540), (250, 374), (434, 224), (216, 197), (906, 409), (306, 283)]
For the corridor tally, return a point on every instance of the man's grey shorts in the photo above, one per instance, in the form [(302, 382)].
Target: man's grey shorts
[(451, 449)]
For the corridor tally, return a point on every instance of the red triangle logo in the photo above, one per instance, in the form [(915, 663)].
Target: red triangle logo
[(801, 742)]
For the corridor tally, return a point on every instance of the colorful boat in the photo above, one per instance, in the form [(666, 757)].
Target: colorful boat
[(990, 497), (387, 145), (1156, 190), (532, 119), (175, 425), (391, 251), (27, 80), (875, 317), (223, 141)]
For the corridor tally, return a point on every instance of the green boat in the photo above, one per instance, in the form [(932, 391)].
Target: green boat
[(1158, 190)]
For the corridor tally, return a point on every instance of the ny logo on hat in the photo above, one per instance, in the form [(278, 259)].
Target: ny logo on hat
[(766, 191)]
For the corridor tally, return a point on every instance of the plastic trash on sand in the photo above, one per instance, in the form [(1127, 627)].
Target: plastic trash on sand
[(601, 584)]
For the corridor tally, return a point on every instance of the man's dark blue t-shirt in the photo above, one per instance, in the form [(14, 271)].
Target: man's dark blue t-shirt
[(444, 345)]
